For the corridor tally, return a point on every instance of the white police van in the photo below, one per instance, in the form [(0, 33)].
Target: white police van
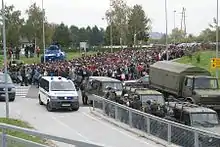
[(58, 92)]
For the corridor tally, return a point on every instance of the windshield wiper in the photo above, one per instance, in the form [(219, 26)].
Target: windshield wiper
[(200, 123), (64, 90), (211, 123)]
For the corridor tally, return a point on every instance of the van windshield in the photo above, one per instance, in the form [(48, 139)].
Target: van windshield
[(62, 86)]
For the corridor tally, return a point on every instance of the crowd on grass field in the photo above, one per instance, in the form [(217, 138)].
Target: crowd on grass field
[(126, 64)]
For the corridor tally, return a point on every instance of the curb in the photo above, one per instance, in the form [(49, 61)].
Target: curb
[(133, 130)]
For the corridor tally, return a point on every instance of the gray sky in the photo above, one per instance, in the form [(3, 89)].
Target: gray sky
[(199, 13)]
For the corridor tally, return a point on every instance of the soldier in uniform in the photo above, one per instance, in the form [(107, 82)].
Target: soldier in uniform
[(147, 107), (136, 104)]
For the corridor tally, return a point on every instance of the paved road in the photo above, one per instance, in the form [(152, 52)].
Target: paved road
[(22, 91), (80, 125)]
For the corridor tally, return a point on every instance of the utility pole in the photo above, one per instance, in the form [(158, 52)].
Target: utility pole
[(111, 39), (174, 24), (166, 30), (184, 21), (43, 21), (217, 38), (5, 61)]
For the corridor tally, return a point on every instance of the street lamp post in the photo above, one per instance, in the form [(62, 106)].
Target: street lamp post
[(217, 38), (5, 60), (111, 39), (43, 20), (166, 30), (174, 24)]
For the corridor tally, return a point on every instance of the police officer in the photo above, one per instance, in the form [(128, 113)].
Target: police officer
[(83, 88)]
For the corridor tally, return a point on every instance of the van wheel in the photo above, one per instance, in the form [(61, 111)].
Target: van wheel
[(75, 109), (49, 107), (40, 102)]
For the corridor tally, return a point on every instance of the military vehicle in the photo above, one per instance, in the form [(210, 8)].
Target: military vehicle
[(101, 86), (142, 82), (194, 84), (152, 101), (195, 116)]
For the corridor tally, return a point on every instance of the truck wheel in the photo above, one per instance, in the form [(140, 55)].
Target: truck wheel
[(190, 101)]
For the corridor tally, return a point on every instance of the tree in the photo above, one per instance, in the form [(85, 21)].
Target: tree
[(177, 35), (13, 25), (62, 35), (74, 35), (138, 24), (33, 24), (118, 16), (115, 36)]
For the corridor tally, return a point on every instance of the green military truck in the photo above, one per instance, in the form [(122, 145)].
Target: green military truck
[(194, 84)]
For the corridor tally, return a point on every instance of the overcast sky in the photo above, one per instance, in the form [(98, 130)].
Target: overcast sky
[(199, 13)]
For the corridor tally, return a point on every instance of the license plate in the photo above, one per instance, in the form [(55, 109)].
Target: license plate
[(65, 105)]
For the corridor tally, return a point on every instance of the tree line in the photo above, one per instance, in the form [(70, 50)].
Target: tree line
[(178, 36), (128, 24)]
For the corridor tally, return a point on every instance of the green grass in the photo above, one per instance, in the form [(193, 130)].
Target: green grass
[(205, 62), (70, 55), (18, 134)]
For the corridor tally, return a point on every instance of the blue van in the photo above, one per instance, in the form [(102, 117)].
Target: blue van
[(53, 53)]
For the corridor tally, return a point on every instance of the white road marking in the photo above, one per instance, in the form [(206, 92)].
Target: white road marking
[(21, 91), (115, 128), (65, 125), (84, 138)]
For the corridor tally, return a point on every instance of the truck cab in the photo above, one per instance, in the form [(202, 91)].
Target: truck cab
[(202, 90), (194, 116)]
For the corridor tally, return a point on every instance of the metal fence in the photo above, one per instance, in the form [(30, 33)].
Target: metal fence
[(168, 131), (48, 140)]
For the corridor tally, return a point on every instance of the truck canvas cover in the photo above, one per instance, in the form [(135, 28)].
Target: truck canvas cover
[(169, 76)]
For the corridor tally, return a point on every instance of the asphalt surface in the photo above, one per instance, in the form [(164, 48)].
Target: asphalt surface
[(80, 125)]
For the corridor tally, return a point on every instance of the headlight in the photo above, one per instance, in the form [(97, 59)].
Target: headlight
[(204, 96), (75, 97), (53, 97), (210, 139)]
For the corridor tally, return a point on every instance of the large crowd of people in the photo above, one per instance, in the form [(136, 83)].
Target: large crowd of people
[(125, 64)]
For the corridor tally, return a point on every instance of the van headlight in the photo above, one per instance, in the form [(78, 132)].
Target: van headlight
[(13, 89), (75, 98), (53, 97)]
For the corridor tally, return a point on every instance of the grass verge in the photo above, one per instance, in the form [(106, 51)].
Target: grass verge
[(70, 55), (205, 62), (19, 123)]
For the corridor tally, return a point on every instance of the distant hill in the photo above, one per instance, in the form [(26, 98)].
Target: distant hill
[(156, 35)]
